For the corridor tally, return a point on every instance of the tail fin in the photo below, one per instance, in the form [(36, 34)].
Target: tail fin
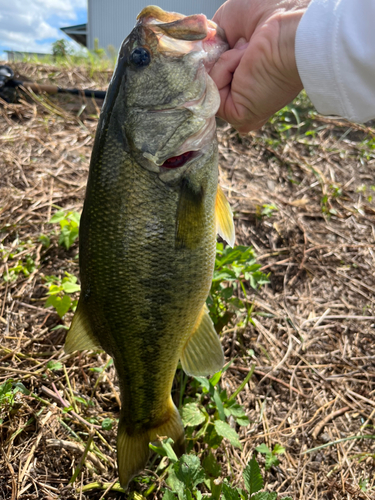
[(132, 454), (133, 451)]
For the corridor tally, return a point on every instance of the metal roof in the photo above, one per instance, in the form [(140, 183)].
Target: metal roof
[(78, 33)]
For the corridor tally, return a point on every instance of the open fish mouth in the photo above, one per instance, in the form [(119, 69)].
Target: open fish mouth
[(202, 39), (180, 160), (183, 34), (193, 144)]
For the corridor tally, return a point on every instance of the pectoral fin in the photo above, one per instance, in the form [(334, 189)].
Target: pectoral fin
[(224, 218), (203, 354), (80, 336)]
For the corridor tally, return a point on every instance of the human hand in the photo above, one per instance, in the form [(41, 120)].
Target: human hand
[(258, 75)]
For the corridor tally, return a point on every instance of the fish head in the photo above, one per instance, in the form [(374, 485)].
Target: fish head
[(167, 99)]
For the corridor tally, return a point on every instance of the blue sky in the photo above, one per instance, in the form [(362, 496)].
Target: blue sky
[(34, 25)]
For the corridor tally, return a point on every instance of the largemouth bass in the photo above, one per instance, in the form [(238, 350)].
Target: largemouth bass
[(149, 223)]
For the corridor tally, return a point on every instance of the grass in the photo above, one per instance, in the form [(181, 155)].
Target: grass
[(63, 57), (293, 304), (205, 415)]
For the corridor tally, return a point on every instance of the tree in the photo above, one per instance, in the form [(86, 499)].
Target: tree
[(59, 48)]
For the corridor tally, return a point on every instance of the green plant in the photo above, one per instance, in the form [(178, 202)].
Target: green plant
[(271, 456), (363, 484), (8, 397), (45, 240), (266, 210), (107, 424), (24, 265), (54, 365), (183, 475), (294, 118), (336, 191), (69, 226), (332, 192), (59, 291), (367, 148), (233, 268), (99, 52), (205, 415)]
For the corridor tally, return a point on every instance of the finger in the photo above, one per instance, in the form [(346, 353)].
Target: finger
[(225, 66)]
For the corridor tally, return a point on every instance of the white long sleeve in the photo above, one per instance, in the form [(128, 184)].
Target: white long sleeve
[(335, 54)]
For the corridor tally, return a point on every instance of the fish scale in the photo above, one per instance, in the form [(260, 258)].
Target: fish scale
[(148, 232)]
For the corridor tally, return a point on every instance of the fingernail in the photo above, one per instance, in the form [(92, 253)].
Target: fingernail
[(241, 44)]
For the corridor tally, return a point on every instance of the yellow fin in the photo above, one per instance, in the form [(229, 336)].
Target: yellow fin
[(133, 450), (80, 336), (224, 218), (203, 354), (132, 454)]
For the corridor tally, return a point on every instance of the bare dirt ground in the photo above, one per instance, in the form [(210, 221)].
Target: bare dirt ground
[(302, 190)]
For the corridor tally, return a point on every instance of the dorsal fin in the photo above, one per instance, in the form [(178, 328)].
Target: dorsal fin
[(154, 12)]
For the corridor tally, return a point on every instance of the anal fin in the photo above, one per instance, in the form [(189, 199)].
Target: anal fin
[(80, 335), (202, 354), (224, 218)]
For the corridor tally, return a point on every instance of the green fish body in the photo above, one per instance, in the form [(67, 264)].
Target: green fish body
[(149, 223)]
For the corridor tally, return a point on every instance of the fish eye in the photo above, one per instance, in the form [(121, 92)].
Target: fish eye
[(140, 57)]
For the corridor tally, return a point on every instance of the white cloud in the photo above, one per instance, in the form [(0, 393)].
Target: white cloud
[(23, 24)]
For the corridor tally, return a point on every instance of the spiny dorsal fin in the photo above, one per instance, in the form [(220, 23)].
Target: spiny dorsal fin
[(80, 336), (154, 12), (224, 218), (203, 354)]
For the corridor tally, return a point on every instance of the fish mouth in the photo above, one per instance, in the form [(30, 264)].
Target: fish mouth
[(192, 144), (179, 35), (179, 161)]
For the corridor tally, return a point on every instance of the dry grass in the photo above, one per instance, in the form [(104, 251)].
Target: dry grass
[(314, 325)]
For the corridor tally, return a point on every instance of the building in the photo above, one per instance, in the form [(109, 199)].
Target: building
[(110, 21), (16, 55), (77, 33)]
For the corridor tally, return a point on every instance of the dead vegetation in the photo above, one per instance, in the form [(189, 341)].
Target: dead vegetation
[(303, 201)]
